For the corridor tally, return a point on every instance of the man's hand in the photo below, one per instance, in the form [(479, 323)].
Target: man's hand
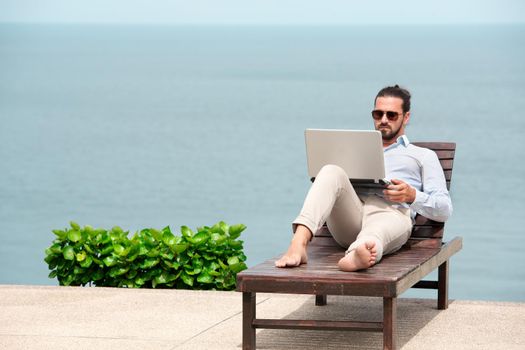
[(400, 192)]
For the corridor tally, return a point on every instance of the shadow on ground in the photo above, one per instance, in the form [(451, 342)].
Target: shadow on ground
[(412, 316)]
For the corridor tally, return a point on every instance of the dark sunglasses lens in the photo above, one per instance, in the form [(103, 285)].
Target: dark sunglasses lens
[(391, 115), (377, 114)]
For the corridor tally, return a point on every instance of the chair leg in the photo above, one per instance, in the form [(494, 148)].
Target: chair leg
[(320, 300), (248, 315), (389, 323), (443, 286)]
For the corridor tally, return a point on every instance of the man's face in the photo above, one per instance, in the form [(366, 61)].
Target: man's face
[(390, 129)]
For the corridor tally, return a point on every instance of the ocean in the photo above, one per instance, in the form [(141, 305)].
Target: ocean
[(149, 126)]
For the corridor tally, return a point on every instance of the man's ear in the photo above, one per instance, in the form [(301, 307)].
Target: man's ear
[(406, 118)]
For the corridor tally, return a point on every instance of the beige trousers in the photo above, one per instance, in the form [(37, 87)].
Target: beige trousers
[(353, 220)]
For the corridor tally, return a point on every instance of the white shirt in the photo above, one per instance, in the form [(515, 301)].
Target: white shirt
[(420, 168)]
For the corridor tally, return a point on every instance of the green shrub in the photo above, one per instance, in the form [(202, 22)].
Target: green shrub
[(207, 259)]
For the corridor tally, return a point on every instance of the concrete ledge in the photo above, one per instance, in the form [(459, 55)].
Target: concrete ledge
[(35, 317)]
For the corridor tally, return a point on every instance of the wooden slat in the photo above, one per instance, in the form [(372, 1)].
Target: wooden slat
[(415, 242), (318, 325), (445, 154), (427, 232), (446, 164), (437, 145), (423, 221)]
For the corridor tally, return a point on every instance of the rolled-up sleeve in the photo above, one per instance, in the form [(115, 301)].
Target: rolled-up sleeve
[(433, 201)]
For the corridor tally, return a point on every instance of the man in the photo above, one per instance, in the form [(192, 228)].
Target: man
[(371, 226)]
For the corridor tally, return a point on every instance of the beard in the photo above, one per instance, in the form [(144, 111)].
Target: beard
[(388, 133)]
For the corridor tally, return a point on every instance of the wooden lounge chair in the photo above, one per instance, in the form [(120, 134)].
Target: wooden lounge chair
[(396, 273)]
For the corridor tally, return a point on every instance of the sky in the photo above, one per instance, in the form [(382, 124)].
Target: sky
[(264, 12)]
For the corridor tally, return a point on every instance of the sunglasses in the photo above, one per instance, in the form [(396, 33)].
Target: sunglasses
[(378, 114)]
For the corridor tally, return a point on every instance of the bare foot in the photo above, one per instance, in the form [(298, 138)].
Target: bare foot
[(360, 258), (295, 256)]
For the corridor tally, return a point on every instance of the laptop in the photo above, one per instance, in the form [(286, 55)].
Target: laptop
[(358, 152)]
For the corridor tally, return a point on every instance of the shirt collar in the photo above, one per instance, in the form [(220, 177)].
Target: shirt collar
[(401, 141)]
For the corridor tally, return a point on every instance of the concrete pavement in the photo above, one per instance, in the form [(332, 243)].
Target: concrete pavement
[(45, 317)]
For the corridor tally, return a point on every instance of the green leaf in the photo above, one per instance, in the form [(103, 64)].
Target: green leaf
[(193, 271), (213, 266), (87, 262), (203, 228), (117, 229), (56, 248), (74, 236), (120, 250), (235, 230), (108, 249), (68, 253), (186, 231), (156, 234), (81, 256), (168, 238), (118, 271), (223, 266), (52, 274), (131, 274), (50, 259), (143, 250), (238, 267), (148, 263), (153, 253), (98, 262), (132, 257), (218, 238), (224, 227), (187, 279), (61, 234), (179, 248), (204, 277), (167, 255), (161, 279), (110, 261), (200, 238), (235, 244), (217, 229), (233, 260), (74, 226)]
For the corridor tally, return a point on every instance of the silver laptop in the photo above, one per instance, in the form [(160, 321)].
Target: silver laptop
[(358, 152)]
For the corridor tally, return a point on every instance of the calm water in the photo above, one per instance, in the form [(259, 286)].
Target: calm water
[(154, 126)]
